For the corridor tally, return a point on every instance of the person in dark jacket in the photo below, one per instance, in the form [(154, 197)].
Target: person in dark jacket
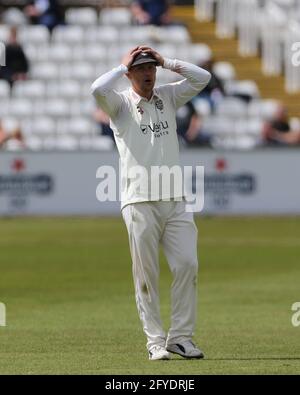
[(45, 12), (151, 12)]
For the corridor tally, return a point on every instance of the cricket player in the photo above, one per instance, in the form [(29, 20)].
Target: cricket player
[(143, 121)]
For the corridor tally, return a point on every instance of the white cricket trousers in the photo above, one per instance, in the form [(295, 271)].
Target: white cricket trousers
[(148, 225)]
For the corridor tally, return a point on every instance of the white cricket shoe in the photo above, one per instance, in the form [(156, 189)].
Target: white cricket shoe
[(186, 349), (158, 352)]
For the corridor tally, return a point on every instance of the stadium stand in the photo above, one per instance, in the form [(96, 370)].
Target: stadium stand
[(55, 108)]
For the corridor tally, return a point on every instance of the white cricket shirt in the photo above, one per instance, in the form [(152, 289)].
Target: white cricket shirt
[(145, 130)]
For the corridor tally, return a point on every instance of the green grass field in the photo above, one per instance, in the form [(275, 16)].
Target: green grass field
[(68, 290)]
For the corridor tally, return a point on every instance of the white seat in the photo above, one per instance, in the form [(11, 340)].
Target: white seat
[(67, 143), (84, 107), (13, 16), (89, 52), (135, 33), (101, 34), (34, 34), (175, 34), (32, 52), (56, 108), (199, 53), (224, 70), (59, 52), (167, 50), (102, 143), (30, 89), (85, 16), (245, 87), (115, 16), (68, 34), (20, 107), (86, 143), (232, 107), (4, 33), (85, 89), (14, 145), (34, 143), (4, 89), (64, 89), (80, 126), (264, 109), (77, 71), (44, 71), (202, 106), (50, 143), (94, 52), (43, 125), (4, 107)]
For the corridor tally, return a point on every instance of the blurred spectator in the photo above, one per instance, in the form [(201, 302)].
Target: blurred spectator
[(214, 90), (17, 64), (277, 131), (151, 12), (102, 119), (45, 12), (189, 126), (5, 136)]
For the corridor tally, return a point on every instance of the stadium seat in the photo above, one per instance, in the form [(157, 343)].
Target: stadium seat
[(90, 52), (175, 34), (204, 10), (44, 71), (242, 88), (30, 89), (4, 33), (264, 109), (224, 71), (64, 89), (101, 34), (4, 108), (80, 126), (136, 33), (34, 143), (13, 17), (67, 143), (58, 52), (85, 16), (56, 107), (50, 143), (196, 53), (78, 71), (202, 106), (102, 143), (43, 125), (20, 107), (4, 89), (34, 34), (26, 126), (232, 107), (68, 34), (14, 145)]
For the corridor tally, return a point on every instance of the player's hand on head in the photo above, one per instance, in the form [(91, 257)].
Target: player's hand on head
[(156, 55), (127, 59)]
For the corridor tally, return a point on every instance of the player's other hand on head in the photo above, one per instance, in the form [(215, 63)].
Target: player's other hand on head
[(156, 55), (127, 59)]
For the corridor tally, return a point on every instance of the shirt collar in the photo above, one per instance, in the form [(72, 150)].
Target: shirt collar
[(137, 98)]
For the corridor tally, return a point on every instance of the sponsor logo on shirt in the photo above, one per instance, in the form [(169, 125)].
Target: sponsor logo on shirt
[(158, 129), (140, 110)]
